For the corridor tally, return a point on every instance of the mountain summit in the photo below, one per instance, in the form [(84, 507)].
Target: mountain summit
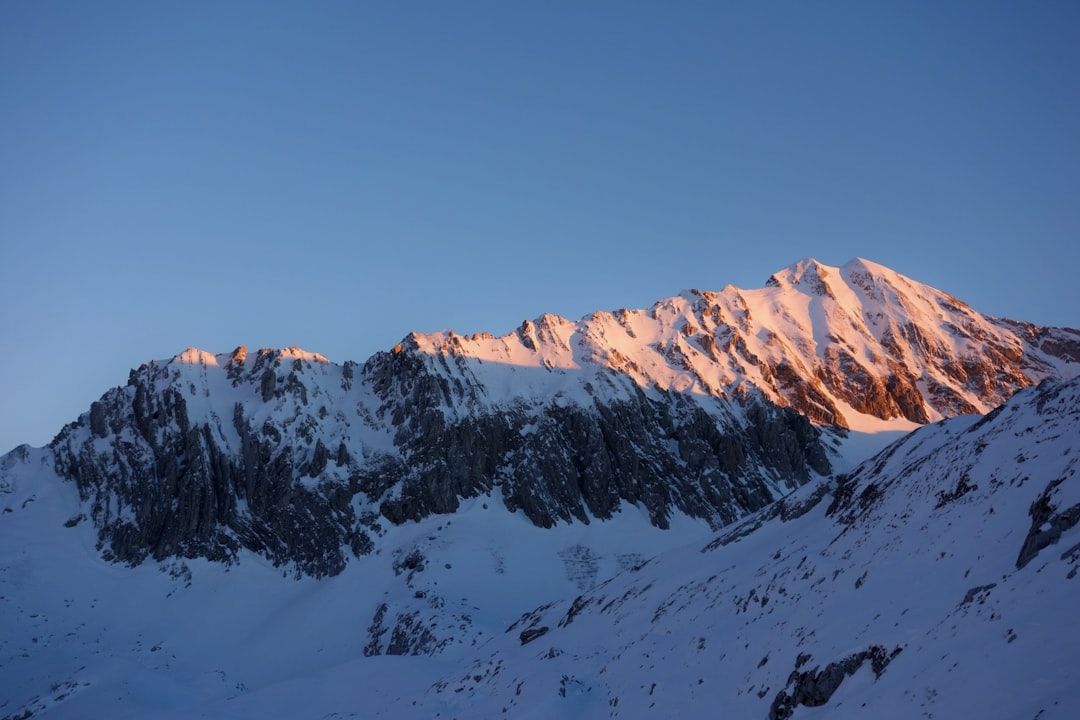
[(840, 345)]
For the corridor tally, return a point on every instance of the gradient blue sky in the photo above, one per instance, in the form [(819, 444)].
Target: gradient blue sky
[(335, 175)]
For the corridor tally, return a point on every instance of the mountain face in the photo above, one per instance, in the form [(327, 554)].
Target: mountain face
[(707, 405), (937, 579), (303, 461)]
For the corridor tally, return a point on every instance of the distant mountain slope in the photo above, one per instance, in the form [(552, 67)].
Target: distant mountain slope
[(938, 580), (710, 405)]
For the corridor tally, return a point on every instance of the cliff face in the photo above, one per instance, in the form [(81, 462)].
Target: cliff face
[(162, 478), (577, 455), (300, 460), (710, 405)]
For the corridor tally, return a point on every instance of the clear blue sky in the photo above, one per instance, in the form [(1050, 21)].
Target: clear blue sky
[(335, 175)]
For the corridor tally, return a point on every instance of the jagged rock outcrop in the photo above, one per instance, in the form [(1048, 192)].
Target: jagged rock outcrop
[(160, 484), (1048, 522), (814, 687)]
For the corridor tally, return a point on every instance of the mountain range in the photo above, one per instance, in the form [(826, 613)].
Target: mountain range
[(638, 512)]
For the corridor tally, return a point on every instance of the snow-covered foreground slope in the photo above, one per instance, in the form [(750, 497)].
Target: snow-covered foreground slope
[(83, 637), (937, 580)]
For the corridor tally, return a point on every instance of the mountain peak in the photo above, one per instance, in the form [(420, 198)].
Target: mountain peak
[(810, 270), (859, 264), (807, 273), (195, 356)]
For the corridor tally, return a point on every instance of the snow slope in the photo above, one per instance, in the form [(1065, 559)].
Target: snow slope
[(84, 637), (937, 580)]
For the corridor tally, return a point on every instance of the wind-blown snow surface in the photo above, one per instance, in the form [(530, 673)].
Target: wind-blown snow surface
[(937, 580)]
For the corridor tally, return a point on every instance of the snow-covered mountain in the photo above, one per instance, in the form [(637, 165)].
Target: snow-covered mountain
[(936, 580), (420, 502), (710, 405)]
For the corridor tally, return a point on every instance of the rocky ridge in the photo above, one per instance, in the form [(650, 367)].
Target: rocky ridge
[(835, 343)]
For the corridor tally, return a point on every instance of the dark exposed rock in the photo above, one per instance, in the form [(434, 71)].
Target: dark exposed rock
[(1061, 343), (527, 636), (579, 604), (171, 490), (376, 630), (786, 509), (813, 688), (319, 457), (98, 425), (979, 591), (577, 462), (169, 487), (410, 634), (411, 637), (1047, 524), (963, 487), (235, 366), (269, 382), (805, 395), (893, 395), (412, 562), (343, 457)]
